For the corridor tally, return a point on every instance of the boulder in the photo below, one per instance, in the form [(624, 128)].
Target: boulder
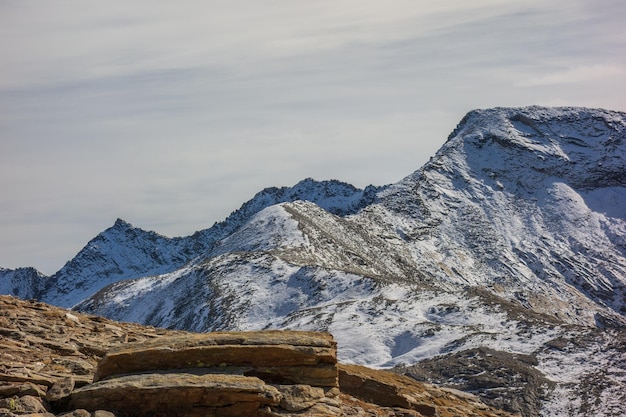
[(76, 413), (102, 413), (172, 394), (9, 389), (84, 413)]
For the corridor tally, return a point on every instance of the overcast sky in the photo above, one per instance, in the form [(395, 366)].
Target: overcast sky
[(171, 114)]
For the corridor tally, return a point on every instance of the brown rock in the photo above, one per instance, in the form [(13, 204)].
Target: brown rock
[(5, 412), (323, 410), (76, 366), (21, 377), (299, 397), (318, 410), (176, 395), (318, 376), (62, 388), (8, 389), (385, 389), (12, 333), (23, 405), (60, 347), (401, 412), (102, 413), (256, 349)]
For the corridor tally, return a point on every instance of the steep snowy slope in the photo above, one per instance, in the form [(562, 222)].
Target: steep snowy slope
[(528, 202), (297, 266), (120, 252)]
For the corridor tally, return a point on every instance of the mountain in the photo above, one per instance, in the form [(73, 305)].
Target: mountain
[(124, 252), (531, 198), (25, 283), (503, 259)]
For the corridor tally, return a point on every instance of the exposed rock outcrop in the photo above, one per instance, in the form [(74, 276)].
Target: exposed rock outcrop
[(220, 374), (275, 356), (177, 394), (489, 373), (50, 356)]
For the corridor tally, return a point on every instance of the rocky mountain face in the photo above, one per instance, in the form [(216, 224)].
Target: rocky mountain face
[(530, 199), (55, 362), (22, 282), (503, 259)]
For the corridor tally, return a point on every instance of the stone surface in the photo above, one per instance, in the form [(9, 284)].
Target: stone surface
[(271, 350), (387, 391), (508, 380), (76, 413), (23, 405), (62, 388), (102, 413), (173, 394), (299, 397), (8, 389), (324, 375), (397, 391)]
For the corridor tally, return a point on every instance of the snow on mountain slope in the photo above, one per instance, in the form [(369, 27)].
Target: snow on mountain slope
[(121, 251), (528, 202), (125, 252), (276, 273)]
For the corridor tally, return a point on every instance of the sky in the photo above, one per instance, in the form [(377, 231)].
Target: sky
[(170, 115)]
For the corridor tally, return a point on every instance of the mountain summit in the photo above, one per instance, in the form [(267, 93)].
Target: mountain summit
[(530, 203), (503, 258)]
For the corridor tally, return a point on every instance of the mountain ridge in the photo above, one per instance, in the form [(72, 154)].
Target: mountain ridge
[(510, 239), (124, 251)]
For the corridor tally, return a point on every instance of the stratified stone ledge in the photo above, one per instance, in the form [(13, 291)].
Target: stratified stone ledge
[(172, 394), (281, 356)]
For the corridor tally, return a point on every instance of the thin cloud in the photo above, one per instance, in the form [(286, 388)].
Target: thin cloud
[(172, 114), (581, 74)]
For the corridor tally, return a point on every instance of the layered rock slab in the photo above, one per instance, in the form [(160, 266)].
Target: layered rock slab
[(283, 357), (213, 374), (176, 394), (403, 393)]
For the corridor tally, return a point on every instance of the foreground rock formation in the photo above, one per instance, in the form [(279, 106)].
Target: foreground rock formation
[(59, 363)]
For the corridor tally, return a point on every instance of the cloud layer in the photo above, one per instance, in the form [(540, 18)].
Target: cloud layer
[(172, 114)]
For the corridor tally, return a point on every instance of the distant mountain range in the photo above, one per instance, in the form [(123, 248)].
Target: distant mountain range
[(503, 258)]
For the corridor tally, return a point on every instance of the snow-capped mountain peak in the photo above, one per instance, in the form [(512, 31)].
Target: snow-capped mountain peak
[(518, 198), (123, 251)]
